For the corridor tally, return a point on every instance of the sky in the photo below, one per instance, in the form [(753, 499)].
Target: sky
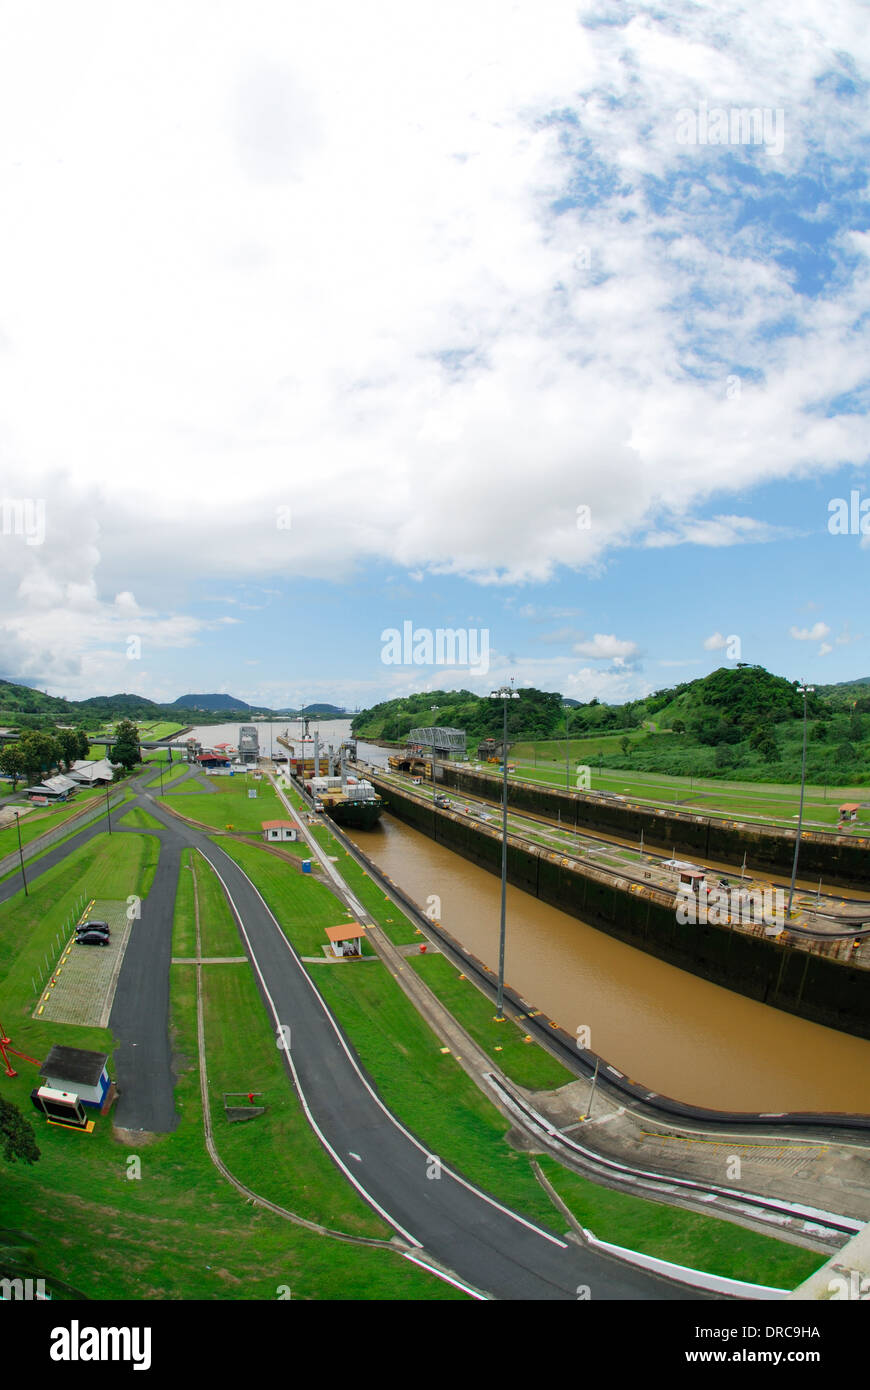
[(546, 326)]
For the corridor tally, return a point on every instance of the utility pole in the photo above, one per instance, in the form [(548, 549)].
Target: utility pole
[(504, 693), (21, 852), (592, 1092), (567, 753), (434, 709), (802, 690)]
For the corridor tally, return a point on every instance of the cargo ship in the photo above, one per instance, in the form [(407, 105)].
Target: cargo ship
[(353, 803)]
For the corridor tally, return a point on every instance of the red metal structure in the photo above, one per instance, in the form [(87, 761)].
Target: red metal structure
[(6, 1048)]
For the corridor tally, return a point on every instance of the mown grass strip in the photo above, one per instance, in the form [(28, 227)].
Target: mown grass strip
[(683, 1237), (525, 1063)]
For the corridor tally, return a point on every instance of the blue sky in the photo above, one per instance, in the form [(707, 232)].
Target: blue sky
[(318, 326)]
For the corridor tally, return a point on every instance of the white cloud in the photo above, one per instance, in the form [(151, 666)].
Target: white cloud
[(717, 531), (314, 262), (715, 643), (810, 634), (825, 648), (603, 646)]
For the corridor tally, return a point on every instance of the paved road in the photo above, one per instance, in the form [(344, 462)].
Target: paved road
[(464, 1229)]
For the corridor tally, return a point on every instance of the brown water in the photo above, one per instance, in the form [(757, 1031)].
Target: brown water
[(677, 1034)]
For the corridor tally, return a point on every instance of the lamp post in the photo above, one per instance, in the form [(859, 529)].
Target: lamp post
[(802, 690), (567, 752), (434, 709), (21, 851), (504, 693)]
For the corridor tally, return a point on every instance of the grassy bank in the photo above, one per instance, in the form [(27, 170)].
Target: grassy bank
[(683, 1237)]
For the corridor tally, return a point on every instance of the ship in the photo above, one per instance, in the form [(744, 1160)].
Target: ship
[(352, 803)]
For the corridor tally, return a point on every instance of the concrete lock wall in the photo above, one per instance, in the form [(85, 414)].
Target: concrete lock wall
[(815, 987), (837, 859)]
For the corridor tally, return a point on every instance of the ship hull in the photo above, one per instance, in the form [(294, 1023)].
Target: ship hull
[(355, 815)]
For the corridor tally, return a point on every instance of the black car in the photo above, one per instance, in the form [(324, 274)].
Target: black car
[(96, 930), (92, 938), (96, 925)]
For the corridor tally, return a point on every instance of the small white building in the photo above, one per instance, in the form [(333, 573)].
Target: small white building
[(280, 830), (84, 1074), (346, 939)]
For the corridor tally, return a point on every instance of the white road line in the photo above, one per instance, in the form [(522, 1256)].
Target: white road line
[(457, 1283)]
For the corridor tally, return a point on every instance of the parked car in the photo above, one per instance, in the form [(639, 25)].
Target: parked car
[(92, 938), (94, 926)]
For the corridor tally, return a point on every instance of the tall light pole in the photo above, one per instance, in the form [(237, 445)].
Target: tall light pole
[(567, 753), (434, 709), (802, 690), (17, 815), (504, 693)]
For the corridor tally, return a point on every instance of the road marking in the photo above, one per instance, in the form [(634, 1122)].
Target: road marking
[(353, 1155), (439, 1274)]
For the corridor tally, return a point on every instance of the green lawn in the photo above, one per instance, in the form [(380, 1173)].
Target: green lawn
[(178, 1231), (161, 730), (184, 921), (773, 803), (683, 1237), (218, 929), (140, 820), (230, 805), (525, 1063), (36, 822)]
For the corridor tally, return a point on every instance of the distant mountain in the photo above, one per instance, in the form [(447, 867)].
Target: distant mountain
[(126, 705), (211, 703), (323, 711)]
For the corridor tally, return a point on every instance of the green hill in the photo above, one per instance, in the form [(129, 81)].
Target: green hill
[(742, 722)]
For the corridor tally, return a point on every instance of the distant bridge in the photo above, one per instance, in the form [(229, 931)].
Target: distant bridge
[(449, 742)]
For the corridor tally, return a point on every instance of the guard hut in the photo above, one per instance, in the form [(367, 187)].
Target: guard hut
[(83, 1074), (346, 939), (277, 830), (692, 881), (849, 810)]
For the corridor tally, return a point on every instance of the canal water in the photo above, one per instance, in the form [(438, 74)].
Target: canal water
[(679, 1035)]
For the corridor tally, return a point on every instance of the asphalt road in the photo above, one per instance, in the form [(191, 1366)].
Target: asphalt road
[(464, 1229)]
